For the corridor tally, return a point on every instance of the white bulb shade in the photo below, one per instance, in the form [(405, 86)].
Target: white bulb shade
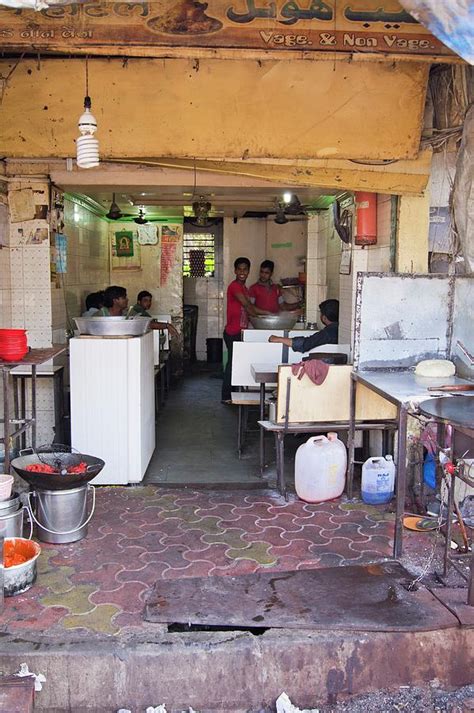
[(287, 196), (87, 123), (87, 152)]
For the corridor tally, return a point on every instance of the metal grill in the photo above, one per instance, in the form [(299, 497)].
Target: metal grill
[(199, 255)]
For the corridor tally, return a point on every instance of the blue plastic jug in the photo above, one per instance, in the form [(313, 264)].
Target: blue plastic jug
[(378, 480)]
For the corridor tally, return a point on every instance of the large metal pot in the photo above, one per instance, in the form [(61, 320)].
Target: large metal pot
[(113, 326), (283, 320)]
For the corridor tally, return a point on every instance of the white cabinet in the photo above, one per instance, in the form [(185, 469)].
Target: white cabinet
[(113, 404)]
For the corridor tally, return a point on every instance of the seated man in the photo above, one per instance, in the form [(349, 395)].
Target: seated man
[(115, 302), (143, 304), (329, 315), (94, 302), (265, 295), (140, 309)]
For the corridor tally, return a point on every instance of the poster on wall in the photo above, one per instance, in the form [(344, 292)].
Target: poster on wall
[(346, 259), (56, 214), (60, 253), (125, 251), (171, 235), (124, 243), (440, 235)]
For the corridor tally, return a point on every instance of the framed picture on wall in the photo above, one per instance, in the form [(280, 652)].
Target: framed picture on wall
[(124, 243)]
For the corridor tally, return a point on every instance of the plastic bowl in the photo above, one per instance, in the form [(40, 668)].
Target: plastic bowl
[(6, 484), (20, 577)]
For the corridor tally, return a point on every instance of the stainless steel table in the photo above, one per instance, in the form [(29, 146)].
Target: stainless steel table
[(263, 374), (33, 359), (405, 391), (457, 411)]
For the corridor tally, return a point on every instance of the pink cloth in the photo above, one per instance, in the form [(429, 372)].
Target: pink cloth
[(315, 369)]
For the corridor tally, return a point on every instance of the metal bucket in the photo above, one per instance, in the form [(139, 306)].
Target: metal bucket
[(61, 515), (11, 517), (12, 504), (12, 525)]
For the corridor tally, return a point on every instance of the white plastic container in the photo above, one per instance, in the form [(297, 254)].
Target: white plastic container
[(320, 468), (378, 480), (6, 484)]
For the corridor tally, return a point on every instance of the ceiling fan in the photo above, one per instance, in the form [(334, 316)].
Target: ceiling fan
[(115, 213), (143, 219), (290, 211)]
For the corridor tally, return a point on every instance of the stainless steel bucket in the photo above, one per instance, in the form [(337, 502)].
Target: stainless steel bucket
[(12, 525), (11, 504), (61, 515), (11, 517)]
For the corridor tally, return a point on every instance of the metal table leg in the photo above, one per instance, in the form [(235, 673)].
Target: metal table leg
[(58, 390), (162, 385), (33, 405), (470, 591), (262, 432), (23, 407), (401, 480), (351, 438), (168, 376), (6, 419), (280, 461), (239, 430)]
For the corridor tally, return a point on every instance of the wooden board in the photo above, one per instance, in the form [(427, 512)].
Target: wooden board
[(330, 401)]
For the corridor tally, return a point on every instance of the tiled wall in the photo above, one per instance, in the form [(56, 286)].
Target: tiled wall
[(167, 298), (370, 258), (28, 301), (5, 272), (87, 266), (324, 257), (316, 264), (89, 270)]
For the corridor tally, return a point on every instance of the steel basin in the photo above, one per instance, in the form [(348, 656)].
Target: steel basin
[(284, 320), (112, 326), (21, 577)]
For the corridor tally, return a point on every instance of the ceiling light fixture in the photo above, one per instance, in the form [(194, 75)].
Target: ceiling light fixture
[(201, 210), (287, 197), (87, 146)]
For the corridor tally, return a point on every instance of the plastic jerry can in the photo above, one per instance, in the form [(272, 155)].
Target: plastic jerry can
[(378, 480), (320, 468)]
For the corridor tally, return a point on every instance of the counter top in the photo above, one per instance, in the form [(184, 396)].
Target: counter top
[(404, 387)]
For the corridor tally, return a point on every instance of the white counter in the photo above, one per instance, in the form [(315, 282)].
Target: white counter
[(113, 404)]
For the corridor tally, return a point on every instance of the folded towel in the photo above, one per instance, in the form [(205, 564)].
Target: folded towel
[(315, 369)]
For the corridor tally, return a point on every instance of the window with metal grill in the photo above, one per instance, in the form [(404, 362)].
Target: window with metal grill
[(199, 255)]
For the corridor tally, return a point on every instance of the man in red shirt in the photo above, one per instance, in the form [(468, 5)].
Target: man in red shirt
[(264, 294), (239, 307)]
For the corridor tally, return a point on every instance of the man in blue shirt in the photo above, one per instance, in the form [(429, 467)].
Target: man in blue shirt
[(329, 311)]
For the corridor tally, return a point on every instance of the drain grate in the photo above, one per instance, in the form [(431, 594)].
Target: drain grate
[(179, 628)]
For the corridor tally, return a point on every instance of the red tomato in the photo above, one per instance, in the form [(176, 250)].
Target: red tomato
[(450, 468)]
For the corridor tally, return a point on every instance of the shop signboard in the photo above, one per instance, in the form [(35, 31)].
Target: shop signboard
[(361, 26)]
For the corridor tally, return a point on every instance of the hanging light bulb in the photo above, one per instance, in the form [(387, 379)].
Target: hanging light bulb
[(87, 146)]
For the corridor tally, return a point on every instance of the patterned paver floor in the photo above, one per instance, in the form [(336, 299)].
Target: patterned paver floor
[(143, 534)]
